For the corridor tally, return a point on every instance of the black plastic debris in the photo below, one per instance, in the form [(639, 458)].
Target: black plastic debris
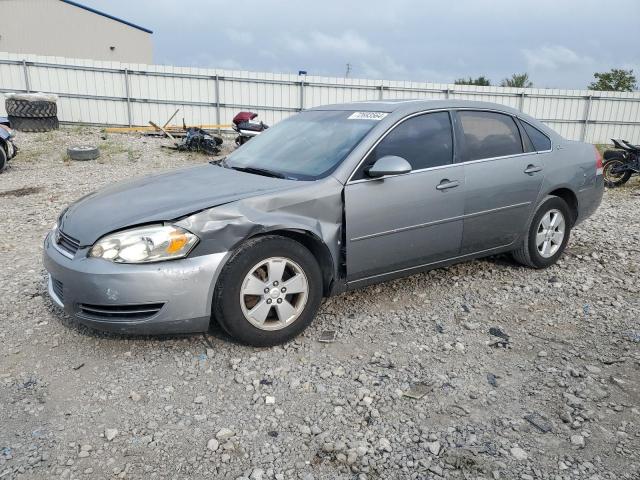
[(504, 338), (198, 140), (540, 422), (496, 332)]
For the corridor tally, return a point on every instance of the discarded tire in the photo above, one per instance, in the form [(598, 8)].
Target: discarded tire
[(27, 124), (17, 107), (83, 152)]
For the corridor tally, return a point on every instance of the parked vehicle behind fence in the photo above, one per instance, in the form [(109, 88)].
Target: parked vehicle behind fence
[(334, 198), (244, 123), (620, 164)]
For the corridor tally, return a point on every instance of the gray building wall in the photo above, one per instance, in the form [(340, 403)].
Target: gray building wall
[(52, 27)]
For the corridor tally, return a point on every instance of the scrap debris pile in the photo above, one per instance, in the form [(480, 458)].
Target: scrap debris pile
[(199, 140), (38, 112)]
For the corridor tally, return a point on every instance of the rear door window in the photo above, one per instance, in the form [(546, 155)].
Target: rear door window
[(539, 140), (424, 141), (489, 134)]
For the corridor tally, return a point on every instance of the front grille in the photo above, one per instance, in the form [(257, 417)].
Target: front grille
[(67, 243), (56, 286), (120, 312)]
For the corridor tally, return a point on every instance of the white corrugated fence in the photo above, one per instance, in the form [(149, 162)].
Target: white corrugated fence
[(111, 93)]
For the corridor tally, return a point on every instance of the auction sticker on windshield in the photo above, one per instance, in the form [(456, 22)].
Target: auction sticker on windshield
[(367, 116)]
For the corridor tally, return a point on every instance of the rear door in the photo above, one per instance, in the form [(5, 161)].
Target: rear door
[(403, 221), (503, 179)]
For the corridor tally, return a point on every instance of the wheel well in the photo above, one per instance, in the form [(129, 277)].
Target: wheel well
[(317, 248), (571, 199)]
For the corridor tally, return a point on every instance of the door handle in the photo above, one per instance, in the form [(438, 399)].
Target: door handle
[(446, 183), (532, 169)]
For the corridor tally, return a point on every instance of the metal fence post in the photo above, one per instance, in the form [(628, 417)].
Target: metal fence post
[(521, 107), (25, 69), (587, 114), (126, 89), (446, 93), (217, 79), (301, 95), (381, 95)]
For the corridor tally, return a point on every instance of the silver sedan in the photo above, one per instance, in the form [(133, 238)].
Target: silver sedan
[(332, 199)]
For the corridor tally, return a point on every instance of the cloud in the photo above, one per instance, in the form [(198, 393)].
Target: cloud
[(347, 43), (415, 40), (553, 57), (239, 36)]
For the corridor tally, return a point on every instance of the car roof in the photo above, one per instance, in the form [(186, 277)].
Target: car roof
[(401, 107), (414, 105)]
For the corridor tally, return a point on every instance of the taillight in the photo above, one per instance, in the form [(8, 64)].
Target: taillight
[(598, 161)]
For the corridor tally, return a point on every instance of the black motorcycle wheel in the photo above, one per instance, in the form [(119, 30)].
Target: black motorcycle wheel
[(613, 178)]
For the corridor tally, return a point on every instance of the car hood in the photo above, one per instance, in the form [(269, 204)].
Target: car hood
[(161, 197)]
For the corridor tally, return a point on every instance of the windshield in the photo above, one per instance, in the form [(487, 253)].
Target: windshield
[(306, 146)]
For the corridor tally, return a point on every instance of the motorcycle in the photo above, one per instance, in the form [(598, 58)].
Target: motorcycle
[(245, 126), (621, 163), (8, 150)]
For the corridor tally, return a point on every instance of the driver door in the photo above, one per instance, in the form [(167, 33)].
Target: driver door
[(398, 222)]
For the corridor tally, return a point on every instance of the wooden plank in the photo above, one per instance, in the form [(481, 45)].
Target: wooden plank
[(163, 130), (170, 118), (172, 128)]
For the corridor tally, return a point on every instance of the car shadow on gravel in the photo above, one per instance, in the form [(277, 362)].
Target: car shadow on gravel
[(502, 259)]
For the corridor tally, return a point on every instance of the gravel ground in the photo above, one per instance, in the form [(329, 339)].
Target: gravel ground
[(560, 399)]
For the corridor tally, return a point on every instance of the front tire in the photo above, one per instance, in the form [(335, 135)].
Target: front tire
[(268, 292), (547, 236)]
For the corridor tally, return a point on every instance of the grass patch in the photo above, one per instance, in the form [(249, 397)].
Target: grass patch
[(111, 148)]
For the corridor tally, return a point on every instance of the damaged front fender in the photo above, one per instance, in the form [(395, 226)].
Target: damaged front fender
[(314, 209)]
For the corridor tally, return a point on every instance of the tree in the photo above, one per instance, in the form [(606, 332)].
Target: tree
[(481, 81), (617, 80), (519, 80)]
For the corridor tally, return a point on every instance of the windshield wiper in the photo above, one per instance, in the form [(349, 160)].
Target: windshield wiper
[(260, 171)]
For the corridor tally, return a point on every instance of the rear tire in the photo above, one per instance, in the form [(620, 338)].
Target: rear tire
[(533, 251), (256, 310), (613, 180), (26, 124)]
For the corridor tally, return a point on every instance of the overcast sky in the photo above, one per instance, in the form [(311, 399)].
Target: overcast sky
[(560, 43)]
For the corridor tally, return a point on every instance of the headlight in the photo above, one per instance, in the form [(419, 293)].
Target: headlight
[(145, 244)]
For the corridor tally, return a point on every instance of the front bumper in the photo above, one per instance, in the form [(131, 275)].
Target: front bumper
[(156, 298)]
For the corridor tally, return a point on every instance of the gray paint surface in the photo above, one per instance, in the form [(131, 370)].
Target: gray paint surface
[(392, 226)]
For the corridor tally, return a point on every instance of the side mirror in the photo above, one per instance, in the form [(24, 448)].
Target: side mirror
[(388, 165)]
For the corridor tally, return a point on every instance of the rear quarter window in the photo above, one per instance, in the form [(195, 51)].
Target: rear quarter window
[(489, 134), (539, 140)]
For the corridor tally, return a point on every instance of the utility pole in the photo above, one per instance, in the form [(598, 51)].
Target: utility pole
[(346, 75)]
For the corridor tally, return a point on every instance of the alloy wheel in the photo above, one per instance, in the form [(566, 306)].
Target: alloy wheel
[(274, 293), (550, 233)]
